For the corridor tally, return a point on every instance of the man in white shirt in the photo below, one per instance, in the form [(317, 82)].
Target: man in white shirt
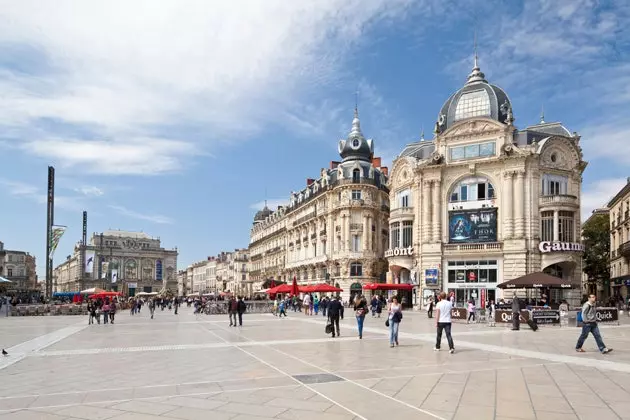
[(443, 322)]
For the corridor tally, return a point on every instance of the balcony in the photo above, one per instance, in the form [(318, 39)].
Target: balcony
[(401, 212), (624, 249), (488, 246), (564, 200), (356, 226)]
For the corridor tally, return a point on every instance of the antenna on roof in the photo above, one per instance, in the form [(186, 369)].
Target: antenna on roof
[(475, 45)]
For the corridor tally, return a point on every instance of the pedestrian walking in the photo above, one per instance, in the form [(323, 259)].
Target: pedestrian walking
[(112, 311), (152, 307), (335, 312), (443, 322), (91, 312), (232, 310), (490, 313), (516, 314), (282, 307), (589, 325), (393, 321), (471, 311), (430, 308), (176, 304), (241, 307), (106, 312), (360, 310)]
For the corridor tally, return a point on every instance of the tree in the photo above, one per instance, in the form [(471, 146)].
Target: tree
[(596, 240)]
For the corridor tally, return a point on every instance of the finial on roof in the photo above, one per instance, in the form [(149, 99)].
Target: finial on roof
[(476, 75), (542, 114), (422, 134), (356, 124)]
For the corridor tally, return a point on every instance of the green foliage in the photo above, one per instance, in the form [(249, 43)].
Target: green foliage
[(596, 239)]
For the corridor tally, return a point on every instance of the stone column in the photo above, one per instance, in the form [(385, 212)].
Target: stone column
[(330, 236), (508, 217), (519, 194), (437, 225), (369, 232), (348, 234), (378, 237), (556, 224), (426, 211), (364, 245)]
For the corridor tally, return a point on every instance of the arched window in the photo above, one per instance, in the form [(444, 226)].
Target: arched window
[(554, 270), (356, 175), (356, 269), (472, 189)]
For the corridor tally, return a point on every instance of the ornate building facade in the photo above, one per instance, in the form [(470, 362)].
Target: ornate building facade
[(128, 262), (19, 268), (334, 230), (619, 208), (484, 202)]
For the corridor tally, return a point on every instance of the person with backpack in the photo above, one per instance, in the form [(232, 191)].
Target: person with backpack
[(589, 325)]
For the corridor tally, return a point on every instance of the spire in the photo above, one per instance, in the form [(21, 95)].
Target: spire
[(542, 114), (476, 75), (422, 134), (356, 124)]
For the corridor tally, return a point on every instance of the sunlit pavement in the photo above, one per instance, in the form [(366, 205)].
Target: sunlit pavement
[(197, 367)]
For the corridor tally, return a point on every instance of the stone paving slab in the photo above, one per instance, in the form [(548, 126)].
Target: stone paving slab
[(190, 367)]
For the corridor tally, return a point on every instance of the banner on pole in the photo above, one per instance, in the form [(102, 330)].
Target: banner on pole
[(55, 235), (114, 276)]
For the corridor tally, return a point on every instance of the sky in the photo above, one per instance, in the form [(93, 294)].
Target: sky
[(180, 118)]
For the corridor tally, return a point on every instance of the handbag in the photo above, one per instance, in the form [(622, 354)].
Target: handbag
[(387, 322), (329, 328)]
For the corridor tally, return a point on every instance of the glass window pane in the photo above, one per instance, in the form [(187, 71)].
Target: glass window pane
[(473, 104), (472, 151), (464, 191), (492, 275)]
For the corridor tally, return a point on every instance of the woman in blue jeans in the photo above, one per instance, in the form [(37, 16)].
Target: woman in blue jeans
[(360, 310), (395, 315)]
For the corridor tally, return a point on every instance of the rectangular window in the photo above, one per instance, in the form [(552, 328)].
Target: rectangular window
[(404, 201), (492, 275), (464, 192), (407, 239), (546, 226), (403, 198), (356, 243), (554, 184), (356, 270), (566, 226), (243, 277), (481, 191), (394, 235), (9, 272), (356, 194), (472, 151)]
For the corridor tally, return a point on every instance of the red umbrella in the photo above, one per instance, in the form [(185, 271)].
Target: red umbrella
[(324, 288), (294, 287), (387, 286), (283, 288)]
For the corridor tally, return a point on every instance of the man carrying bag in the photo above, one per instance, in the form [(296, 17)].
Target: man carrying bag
[(335, 312)]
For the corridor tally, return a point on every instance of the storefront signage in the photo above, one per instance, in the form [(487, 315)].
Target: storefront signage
[(431, 276), (397, 252), (472, 226), (459, 313), (547, 246), (546, 316), (505, 316)]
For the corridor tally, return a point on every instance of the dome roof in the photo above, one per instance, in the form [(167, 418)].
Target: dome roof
[(261, 215), (477, 98), (356, 146)]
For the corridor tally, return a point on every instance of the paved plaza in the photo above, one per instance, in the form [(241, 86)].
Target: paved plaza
[(197, 367)]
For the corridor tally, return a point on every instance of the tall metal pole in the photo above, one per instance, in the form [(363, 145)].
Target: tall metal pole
[(83, 245), (50, 219)]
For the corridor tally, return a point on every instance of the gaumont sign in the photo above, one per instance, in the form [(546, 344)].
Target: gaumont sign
[(547, 246), (397, 252)]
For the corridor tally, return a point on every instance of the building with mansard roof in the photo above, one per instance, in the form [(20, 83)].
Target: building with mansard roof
[(334, 230), (483, 201)]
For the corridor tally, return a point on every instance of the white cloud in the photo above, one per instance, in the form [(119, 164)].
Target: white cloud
[(598, 193), (272, 204), (130, 74), (33, 193), (18, 188), (155, 218), (91, 191)]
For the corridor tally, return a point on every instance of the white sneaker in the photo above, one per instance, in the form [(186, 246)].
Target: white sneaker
[(436, 349), (451, 351)]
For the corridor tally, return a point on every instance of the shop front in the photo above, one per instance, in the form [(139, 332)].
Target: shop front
[(474, 280)]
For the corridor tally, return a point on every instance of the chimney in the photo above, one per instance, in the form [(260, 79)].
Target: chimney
[(376, 162), (385, 170), (309, 181), (334, 164)]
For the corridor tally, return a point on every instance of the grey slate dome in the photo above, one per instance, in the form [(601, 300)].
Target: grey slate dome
[(356, 146), (261, 215), (477, 98)]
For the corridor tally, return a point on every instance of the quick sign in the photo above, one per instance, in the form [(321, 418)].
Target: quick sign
[(547, 246), (397, 252), (505, 316)]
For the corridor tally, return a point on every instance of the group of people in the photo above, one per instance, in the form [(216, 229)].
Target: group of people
[(98, 307)]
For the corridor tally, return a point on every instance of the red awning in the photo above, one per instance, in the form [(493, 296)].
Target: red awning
[(320, 288), (387, 286), (283, 288)]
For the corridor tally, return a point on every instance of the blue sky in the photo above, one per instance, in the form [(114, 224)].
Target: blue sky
[(179, 119)]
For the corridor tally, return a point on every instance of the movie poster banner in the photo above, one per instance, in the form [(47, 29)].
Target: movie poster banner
[(89, 261), (158, 270), (472, 226)]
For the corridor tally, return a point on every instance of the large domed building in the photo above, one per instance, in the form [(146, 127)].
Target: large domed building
[(484, 202), (334, 230)]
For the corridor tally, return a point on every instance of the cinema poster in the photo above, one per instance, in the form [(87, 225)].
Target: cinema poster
[(472, 226)]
